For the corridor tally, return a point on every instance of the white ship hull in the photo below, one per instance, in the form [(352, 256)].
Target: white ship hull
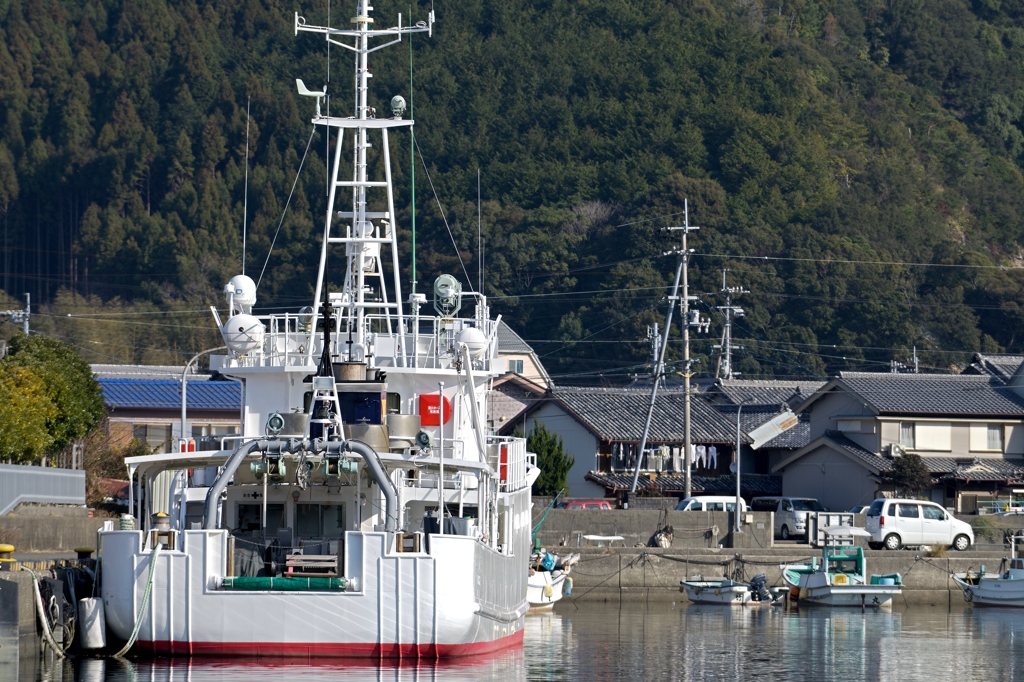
[(462, 598)]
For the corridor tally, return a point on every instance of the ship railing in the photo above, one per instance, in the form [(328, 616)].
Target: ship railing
[(507, 455), (426, 342)]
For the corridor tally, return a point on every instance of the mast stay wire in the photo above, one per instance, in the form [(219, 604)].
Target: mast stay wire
[(287, 203), (443, 216)]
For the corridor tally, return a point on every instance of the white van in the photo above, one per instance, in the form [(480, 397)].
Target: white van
[(711, 503), (790, 513), (894, 523)]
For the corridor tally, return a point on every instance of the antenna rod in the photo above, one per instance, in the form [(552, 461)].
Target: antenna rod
[(245, 202), (479, 238), (412, 164)]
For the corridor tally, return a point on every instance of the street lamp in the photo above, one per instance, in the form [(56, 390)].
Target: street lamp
[(184, 385), (739, 500)]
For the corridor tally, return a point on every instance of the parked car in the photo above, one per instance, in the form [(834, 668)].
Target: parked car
[(711, 503), (858, 509), (586, 504), (790, 513), (895, 523)]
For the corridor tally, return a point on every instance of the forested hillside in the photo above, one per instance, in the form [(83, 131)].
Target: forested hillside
[(855, 164)]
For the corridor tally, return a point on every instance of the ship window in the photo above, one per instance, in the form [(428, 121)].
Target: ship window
[(249, 516), (319, 520)]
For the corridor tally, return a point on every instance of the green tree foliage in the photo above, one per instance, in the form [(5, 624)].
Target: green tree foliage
[(826, 148), (553, 462), (67, 384), (910, 476), (25, 412)]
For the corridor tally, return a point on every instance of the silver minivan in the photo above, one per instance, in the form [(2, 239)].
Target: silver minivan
[(790, 513)]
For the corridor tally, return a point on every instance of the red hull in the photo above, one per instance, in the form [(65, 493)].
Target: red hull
[(331, 650)]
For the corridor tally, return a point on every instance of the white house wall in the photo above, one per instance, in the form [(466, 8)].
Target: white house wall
[(833, 479), (579, 443), (828, 410)]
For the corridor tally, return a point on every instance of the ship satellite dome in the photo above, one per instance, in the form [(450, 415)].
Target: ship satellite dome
[(474, 339), (243, 334), (398, 106), (243, 289)]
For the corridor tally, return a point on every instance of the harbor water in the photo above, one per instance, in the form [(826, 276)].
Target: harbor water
[(664, 640)]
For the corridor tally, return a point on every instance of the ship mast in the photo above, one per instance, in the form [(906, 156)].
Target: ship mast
[(362, 232)]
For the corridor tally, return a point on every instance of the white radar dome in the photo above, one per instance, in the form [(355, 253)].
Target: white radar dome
[(243, 334), (241, 291), (474, 339)]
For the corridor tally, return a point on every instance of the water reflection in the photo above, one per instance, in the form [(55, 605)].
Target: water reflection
[(677, 641)]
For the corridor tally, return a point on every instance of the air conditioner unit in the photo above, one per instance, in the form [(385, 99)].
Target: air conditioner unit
[(896, 450)]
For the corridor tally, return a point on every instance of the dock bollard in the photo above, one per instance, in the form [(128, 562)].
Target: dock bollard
[(7, 562)]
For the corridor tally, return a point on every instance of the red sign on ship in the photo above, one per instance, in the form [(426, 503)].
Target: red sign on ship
[(430, 410)]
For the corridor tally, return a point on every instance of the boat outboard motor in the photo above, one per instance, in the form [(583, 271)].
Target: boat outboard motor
[(759, 589)]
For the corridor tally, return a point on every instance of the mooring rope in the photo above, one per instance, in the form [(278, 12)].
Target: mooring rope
[(41, 613), (145, 602)]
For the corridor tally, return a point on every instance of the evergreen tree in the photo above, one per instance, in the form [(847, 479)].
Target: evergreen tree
[(552, 460), (910, 476)]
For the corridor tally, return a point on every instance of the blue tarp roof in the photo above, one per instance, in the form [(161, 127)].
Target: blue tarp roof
[(166, 393)]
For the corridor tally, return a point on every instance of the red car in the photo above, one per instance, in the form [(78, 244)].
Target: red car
[(587, 504)]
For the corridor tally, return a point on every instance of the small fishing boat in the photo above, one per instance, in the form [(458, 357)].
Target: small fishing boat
[(549, 579), (1005, 588), (701, 590), (840, 578)]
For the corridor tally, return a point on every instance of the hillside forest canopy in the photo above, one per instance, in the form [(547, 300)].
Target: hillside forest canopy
[(855, 164)]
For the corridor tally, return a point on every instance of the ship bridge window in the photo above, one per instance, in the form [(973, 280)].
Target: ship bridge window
[(319, 520), (249, 516)]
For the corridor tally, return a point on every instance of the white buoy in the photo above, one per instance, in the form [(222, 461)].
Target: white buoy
[(92, 623)]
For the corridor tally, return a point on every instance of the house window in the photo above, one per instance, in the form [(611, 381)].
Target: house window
[(907, 434), (986, 437), (157, 436), (849, 425), (934, 436), (200, 431), (515, 366)]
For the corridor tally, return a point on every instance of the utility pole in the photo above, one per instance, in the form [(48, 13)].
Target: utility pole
[(730, 312), (659, 366)]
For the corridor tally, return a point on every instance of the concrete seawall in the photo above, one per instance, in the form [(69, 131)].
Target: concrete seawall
[(58, 534), (653, 574)]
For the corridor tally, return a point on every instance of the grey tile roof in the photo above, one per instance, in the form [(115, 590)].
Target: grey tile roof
[(1001, 366), (793, 438), (750, 484), (618, 414), (934, 394), (763, 392), (869, 458), (942, 468), (753, 416), (509, 341)]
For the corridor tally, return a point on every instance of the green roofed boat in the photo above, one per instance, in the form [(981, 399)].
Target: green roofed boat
[(840, 577)]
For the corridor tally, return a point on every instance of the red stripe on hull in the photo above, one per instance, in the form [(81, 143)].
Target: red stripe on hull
[(331, 650)]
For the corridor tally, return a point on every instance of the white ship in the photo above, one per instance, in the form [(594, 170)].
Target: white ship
[(364, 510)]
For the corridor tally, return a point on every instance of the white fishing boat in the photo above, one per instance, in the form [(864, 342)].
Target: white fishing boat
[(364, 510), (549, 579), (1005, 588), (840, 578), (702, 590)]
